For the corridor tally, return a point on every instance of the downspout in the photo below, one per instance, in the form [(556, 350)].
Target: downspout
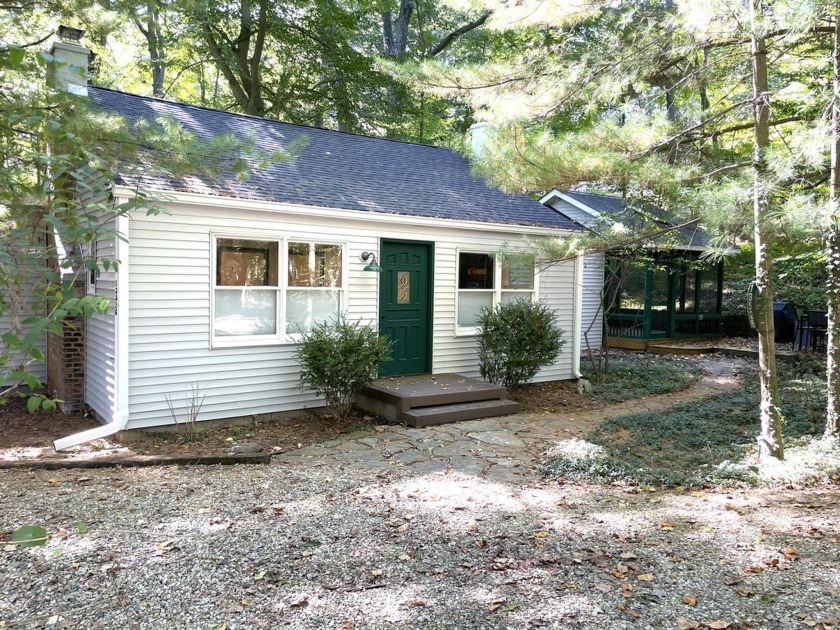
[(577, 316), (119, 417)]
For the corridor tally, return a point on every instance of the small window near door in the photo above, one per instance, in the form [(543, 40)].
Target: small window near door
[(314, 293), (484, 281)]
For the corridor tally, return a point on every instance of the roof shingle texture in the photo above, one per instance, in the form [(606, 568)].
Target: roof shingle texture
[(341, 170), (615, 208)]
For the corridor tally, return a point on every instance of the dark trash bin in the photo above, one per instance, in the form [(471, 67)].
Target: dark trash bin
[(784, 320)]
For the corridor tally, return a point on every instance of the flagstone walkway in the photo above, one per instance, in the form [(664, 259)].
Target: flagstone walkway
[(506, 449)]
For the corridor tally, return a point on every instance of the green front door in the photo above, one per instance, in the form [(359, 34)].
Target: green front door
[(405, 305)]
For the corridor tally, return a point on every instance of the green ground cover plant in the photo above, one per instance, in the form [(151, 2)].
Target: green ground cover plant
[(694, 444), (637, 375)]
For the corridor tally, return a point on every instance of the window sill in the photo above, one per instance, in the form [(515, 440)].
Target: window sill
[(246, 342), (467, 332)]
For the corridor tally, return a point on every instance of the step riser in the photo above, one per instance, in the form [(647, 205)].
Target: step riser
[(446, 415)]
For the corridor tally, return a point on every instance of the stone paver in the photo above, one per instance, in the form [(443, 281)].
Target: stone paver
[(504, 449)]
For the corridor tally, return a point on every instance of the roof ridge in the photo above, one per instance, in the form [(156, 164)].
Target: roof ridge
[(268, 120)]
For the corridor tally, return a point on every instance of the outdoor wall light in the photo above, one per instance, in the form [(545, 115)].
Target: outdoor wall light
[(372, 265)]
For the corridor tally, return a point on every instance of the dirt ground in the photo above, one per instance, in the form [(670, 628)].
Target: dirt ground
[(25, 435)]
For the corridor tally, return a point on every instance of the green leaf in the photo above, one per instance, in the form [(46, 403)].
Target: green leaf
[(16, 55), (30, 536), (36, 353), (82, 527), (45, 58), (33, 403)]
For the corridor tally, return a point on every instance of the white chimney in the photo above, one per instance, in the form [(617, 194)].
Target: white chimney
[(480, 133), (69, 71)]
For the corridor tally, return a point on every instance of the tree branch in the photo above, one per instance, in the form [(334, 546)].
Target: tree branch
[(466, 28)]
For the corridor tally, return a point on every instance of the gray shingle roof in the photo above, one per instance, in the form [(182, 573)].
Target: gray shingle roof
[(615, 208), (341, 170)]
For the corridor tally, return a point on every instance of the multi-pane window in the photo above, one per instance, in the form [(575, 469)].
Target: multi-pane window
[(483, 282), (314, 291), (253, 299)]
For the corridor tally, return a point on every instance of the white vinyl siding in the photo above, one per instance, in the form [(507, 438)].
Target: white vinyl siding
[(170, 289), (101, 328), (574, 212), (28, 305), (592, 316)]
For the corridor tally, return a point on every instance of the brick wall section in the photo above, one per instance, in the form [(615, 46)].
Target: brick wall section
[(66, 365)]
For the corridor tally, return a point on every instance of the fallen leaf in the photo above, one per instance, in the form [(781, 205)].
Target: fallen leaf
[(668, 527), (689, 601), (604, 588), (719, 624), (687, 624), (53, 480), (755, 569), (278, 509), (260, 575), (542, 534), (376, 572), (743, 591), (415, 602), (645, 577), (629, 555), (634, 613), (404, 557), (790, 553)]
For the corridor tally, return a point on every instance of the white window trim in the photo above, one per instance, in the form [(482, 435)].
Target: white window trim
[(497, 290), (280, 338)]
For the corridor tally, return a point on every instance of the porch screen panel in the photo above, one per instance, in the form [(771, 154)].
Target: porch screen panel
[(687, 296), (708, 291), (632, 278)]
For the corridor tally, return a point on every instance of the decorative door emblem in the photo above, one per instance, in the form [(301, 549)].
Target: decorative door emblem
[(403, 288)]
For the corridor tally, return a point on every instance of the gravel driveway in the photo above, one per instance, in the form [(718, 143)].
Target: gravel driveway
[(446, 527), (320, 543)]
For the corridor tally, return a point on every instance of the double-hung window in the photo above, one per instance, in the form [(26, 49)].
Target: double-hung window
[(484, 281), (254, 301)]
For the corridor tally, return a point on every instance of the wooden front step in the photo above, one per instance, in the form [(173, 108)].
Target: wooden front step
[(453, 412), (435, 399)]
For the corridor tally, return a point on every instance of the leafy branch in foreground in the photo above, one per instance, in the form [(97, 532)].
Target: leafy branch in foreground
[(61, 160)]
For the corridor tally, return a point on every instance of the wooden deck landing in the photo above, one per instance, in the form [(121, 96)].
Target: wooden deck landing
[(428, 400)]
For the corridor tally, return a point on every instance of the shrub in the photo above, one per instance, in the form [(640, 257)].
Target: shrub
[(339, 359), (517, 339)]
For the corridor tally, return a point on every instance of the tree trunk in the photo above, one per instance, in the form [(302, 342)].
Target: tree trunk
[(395, 45), (153, 32), (770, 439), (832, 423), (243, 75)]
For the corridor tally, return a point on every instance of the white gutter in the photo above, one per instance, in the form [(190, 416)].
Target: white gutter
[(120, 413), (577, 316)]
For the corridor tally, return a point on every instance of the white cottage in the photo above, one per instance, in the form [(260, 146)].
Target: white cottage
[(215, 293)]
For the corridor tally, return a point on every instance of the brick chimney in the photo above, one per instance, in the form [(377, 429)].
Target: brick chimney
[(66, 351)]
